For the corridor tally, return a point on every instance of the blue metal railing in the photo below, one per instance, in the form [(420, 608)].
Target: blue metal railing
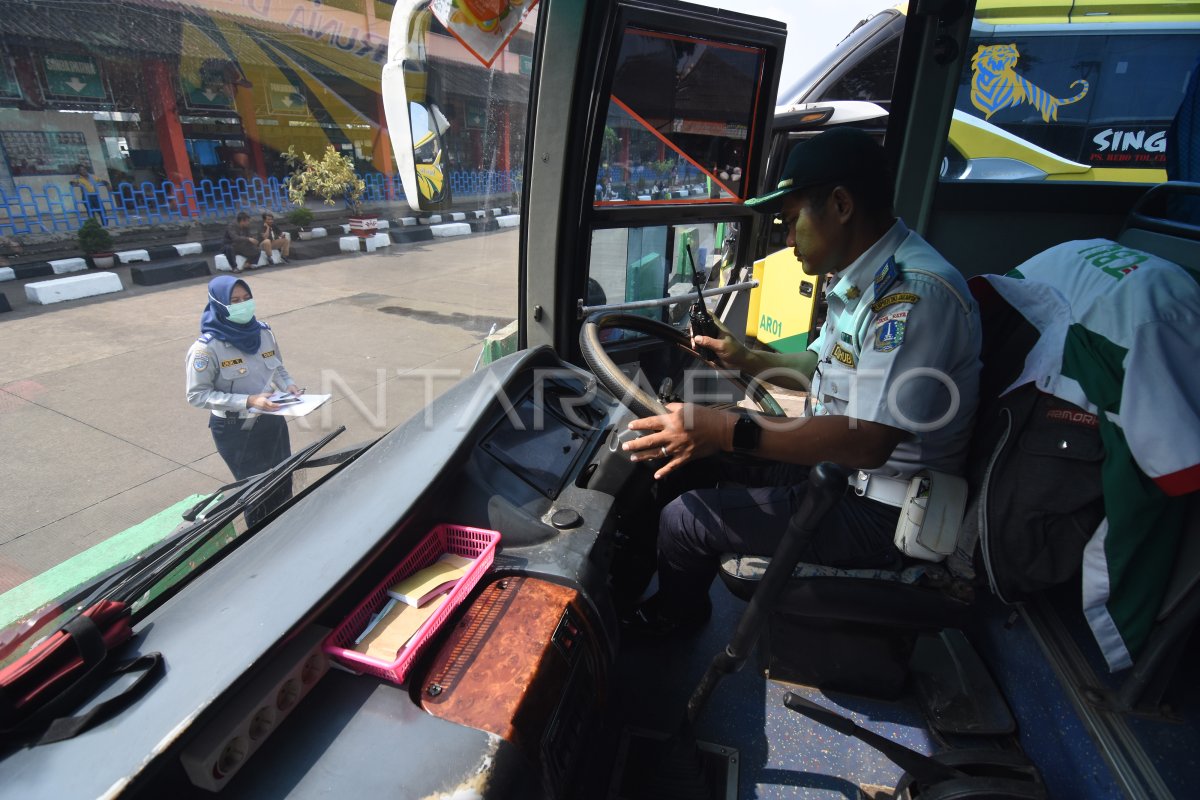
[(53, 209)]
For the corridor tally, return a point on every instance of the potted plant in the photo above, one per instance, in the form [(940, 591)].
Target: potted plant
[(330, 177), (302, 218), (97, 243)]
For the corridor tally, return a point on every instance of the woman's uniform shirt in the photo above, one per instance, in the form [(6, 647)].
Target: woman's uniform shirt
[(221, 377)]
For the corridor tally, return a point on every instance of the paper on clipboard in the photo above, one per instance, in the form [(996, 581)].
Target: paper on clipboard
[(305, 404)]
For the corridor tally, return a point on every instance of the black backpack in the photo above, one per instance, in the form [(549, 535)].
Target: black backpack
[(1034, 468)]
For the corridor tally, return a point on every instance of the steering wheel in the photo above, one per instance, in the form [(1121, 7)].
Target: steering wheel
[(622, 386)]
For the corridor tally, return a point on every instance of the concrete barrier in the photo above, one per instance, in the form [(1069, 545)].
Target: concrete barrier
[(129, 256), (349, 244), (65, 265), (407, 235), (189, 248), (154, 274), (7, 274), (457, 216), (75, 287), (450, 229), (509, 221), (5, 306)]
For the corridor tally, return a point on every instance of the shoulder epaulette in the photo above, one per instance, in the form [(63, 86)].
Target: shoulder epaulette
[(886, 276), (265, 325), (205, 338)]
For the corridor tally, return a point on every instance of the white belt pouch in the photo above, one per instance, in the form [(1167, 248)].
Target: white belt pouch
[(931, 515)]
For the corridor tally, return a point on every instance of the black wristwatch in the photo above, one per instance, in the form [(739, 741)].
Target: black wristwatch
[(746, 434)]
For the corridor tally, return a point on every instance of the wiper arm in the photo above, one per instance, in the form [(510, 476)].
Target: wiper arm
[(131, 581), (262, 485), (329, 459)]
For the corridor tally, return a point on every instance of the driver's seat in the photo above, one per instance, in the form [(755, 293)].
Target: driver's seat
[(850, 630)]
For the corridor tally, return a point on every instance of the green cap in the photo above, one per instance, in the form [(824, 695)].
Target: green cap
[(837, 154)]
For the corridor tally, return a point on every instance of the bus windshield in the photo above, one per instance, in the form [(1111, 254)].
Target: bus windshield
[(161, 164)]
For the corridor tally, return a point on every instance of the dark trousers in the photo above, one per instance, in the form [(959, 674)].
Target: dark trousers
[(250, 450), (746, 510), (95, 207)]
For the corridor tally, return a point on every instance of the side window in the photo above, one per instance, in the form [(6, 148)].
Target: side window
[(651, 262), (870, 80), (679, 120), (1068, 107)]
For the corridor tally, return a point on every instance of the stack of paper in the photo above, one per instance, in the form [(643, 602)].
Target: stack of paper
[(412, 600), (384, 640), (438, 577)]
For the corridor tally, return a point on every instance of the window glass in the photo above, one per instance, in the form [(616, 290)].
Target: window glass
[(155, 124), (1102, 101), (678, 120), (652, 262), (870, 80)]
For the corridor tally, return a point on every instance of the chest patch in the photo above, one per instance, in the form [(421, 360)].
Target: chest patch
[(842, 355), (268, 354), (233, 362), (894, 300)]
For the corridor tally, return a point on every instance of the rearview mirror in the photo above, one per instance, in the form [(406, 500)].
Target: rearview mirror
[(427, 124), (414, 121)]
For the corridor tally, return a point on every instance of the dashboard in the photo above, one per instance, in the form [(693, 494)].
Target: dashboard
[(250, 706)]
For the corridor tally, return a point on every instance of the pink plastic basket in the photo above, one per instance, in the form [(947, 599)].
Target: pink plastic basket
[(476, 543)]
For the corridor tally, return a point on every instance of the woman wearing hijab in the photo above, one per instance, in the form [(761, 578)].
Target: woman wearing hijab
[(232, 368)]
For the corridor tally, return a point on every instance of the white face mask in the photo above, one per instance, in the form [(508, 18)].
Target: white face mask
[(241, 313)]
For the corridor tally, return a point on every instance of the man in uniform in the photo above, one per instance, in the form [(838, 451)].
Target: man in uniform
[(894, 382)]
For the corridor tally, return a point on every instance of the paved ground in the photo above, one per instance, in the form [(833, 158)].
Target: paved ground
[(98, 436)]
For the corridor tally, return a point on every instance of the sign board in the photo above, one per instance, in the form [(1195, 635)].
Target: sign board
[(483, 26), (74, 77), (34, 154), (287, 98)]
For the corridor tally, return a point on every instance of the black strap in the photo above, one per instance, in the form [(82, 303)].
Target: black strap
[(149, 665)]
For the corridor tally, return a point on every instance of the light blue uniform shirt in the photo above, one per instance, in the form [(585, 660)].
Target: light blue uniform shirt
[(900, 346)]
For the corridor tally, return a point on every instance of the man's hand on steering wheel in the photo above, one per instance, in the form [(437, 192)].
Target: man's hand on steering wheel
[(688, 431)]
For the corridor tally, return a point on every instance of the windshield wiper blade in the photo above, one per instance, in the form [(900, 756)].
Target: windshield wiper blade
[(130, 581), (259, 486)]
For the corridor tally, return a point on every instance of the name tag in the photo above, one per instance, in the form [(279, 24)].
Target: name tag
[(233, 362), (268, 354)]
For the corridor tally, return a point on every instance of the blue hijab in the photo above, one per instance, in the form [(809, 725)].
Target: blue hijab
[(245, 336)]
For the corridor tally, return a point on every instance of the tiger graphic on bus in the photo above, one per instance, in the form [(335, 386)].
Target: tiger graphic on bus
[(995, 84)]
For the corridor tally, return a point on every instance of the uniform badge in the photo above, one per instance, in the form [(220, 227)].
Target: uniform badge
[(842, 355), (887, 275), (894, 300), (232, 362), (845, 337), (852, 292), (889, 332), (200, 363), (268, 354), (242, 371)]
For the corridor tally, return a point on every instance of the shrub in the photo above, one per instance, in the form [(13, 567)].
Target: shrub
[(329, 177), (300, 216), (94, 238)]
